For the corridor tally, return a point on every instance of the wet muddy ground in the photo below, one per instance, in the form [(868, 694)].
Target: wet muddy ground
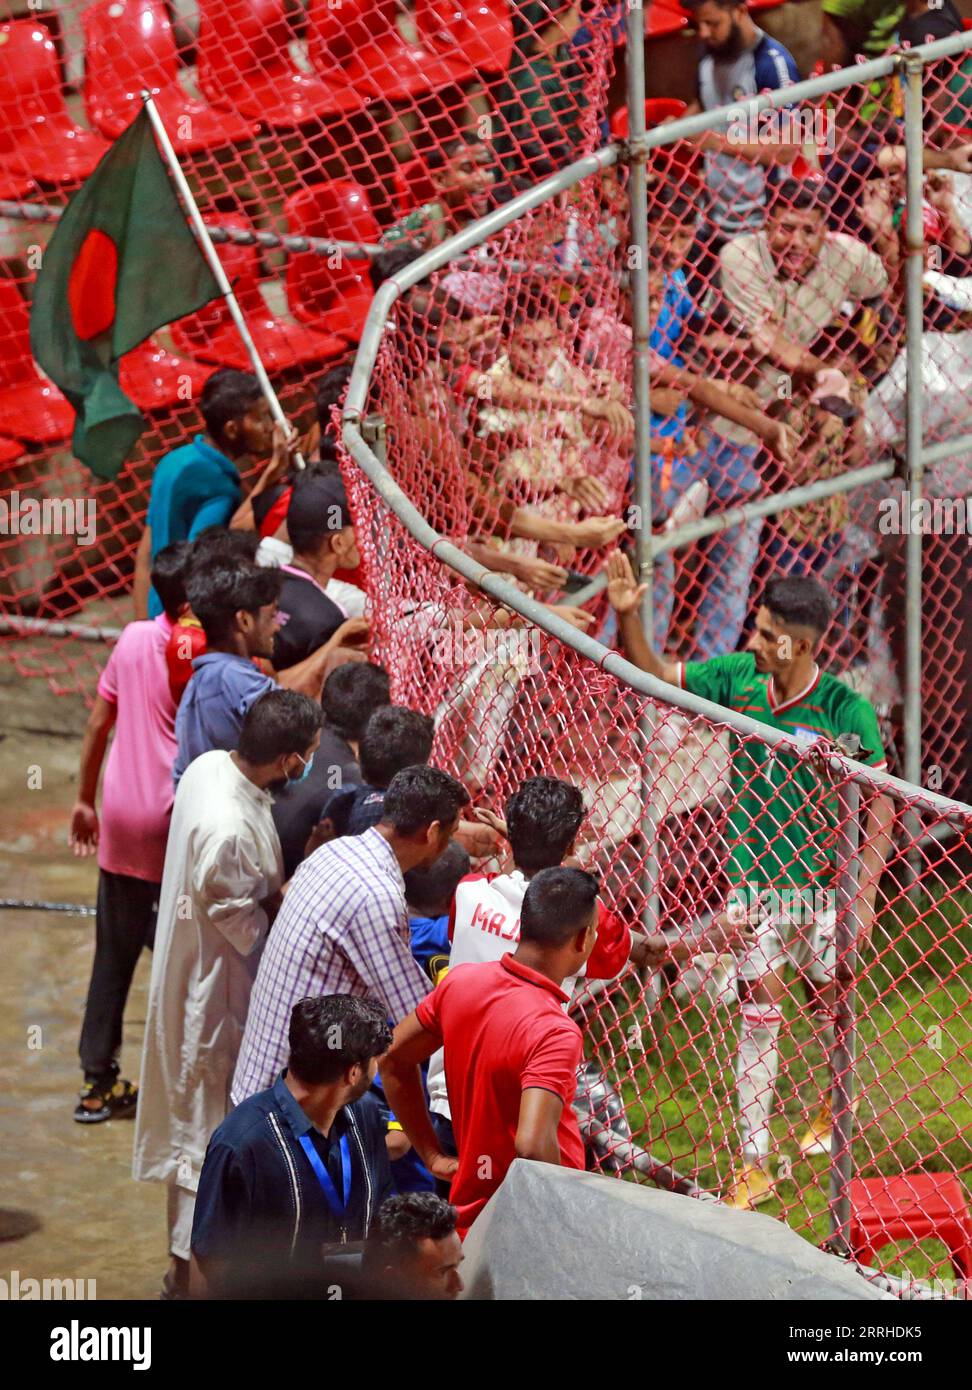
[(71, 1184)]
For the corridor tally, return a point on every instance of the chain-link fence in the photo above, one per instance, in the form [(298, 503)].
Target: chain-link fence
[(536, 93), (675, 802), (815, 1069), (333, 122), (785, 422)]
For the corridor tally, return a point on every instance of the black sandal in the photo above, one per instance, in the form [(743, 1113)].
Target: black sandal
[(115, 1100)]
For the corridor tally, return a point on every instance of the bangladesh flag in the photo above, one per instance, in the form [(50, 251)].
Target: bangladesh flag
[(121, 263)]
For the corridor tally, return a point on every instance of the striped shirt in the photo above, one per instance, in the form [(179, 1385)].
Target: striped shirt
[(342, 929)]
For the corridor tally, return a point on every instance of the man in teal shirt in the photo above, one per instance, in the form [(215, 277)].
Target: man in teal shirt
[(198, 485)]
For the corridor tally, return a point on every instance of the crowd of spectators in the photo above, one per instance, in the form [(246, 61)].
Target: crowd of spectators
[(777, 334), (272, 828), (275, 823)]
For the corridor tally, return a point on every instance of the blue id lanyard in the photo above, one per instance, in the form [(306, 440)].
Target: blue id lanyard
[(338, 1205)]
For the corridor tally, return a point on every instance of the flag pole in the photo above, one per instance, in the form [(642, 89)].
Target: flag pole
[(216, 266)]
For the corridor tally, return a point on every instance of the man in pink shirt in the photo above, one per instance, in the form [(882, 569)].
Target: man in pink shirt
[(136, 801)]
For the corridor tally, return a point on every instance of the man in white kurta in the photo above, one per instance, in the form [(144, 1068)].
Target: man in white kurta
[(222, 864)]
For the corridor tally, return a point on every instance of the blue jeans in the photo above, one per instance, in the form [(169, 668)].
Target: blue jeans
[(729, 471)]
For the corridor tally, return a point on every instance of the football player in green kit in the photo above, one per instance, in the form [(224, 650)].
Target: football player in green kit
[(781, 864)]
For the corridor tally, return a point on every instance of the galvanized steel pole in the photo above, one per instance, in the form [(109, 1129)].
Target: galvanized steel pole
[(640, 317), (843, 1058), (914, 315), (641, 407)]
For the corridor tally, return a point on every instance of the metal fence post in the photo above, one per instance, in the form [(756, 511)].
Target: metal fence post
[(914, 315), (641, 407), (843, 1059), (640, 318), (373, 430)]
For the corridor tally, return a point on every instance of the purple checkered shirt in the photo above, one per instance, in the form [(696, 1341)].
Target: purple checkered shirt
[(342, 929)]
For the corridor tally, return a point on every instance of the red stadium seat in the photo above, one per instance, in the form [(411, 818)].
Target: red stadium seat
[(31, 407), (316, 291), (210, 333), (667, 17), (680, 160), (157, 380), (480, 32), (245, 65), (361, 41), (911, 1206), (413, 186), (129, 46), (13, 184), (10, 451), (37, 136), (657, 109)]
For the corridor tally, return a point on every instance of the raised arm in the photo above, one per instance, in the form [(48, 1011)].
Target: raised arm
[(625, 595), (710, 395), (957, 159), (778, 152), (513, 393), (307, 677), (378, 949), (280, 461), (774, 434)]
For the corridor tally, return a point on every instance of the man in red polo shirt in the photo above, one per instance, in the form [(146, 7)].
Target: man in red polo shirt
[(511, 1052)]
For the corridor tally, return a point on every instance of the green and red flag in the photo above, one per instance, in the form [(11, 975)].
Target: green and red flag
[(121, 263)]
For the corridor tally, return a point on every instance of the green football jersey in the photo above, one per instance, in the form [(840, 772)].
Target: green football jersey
[(782, 818)]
